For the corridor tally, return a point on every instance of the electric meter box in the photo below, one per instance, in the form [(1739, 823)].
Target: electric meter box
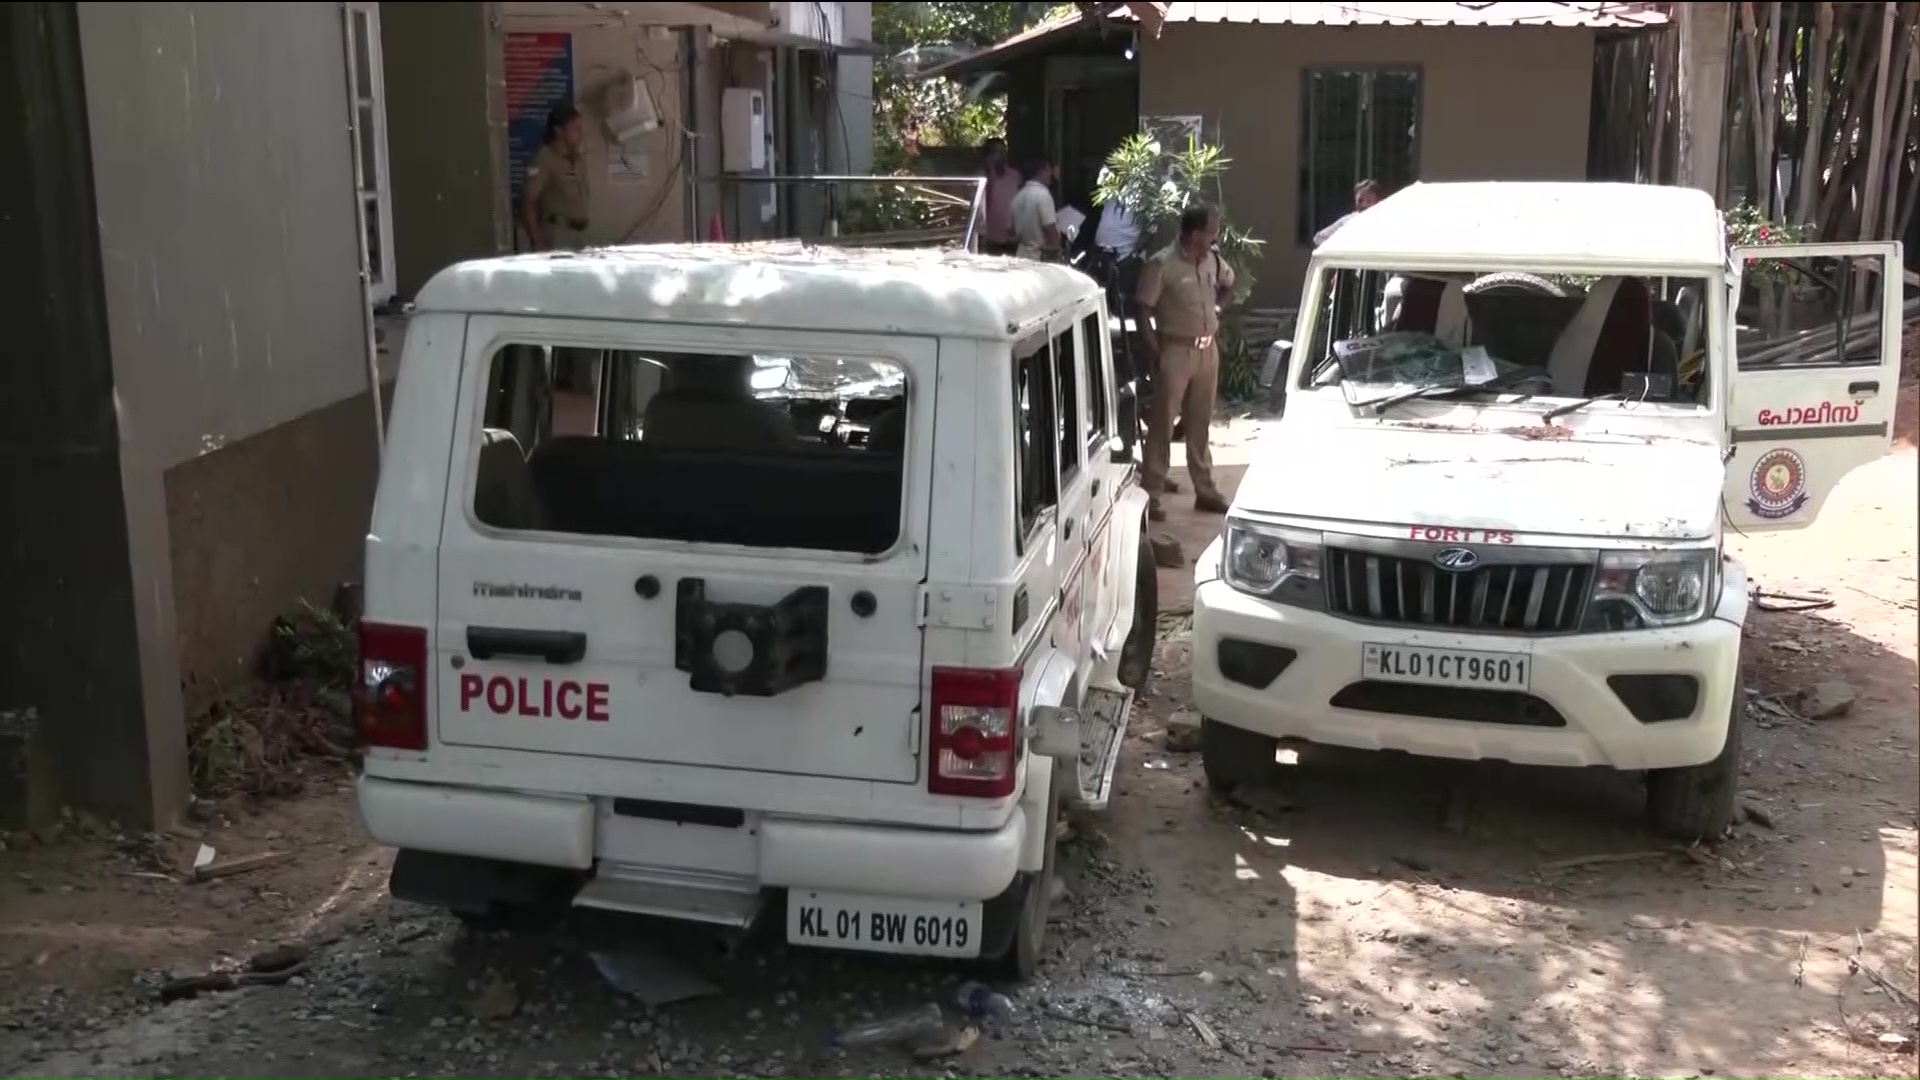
[(743, 127), (629, 111)]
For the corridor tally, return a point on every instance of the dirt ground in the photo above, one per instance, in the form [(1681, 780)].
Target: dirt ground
[(1370, 915)]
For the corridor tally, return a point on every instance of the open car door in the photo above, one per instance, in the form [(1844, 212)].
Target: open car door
[(1816, 347)]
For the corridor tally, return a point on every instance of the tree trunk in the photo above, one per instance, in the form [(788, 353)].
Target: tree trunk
[(1895, 170), (1877, 143), (1812, 146)]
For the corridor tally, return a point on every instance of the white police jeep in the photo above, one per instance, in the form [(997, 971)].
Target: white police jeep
[(703, 576), (1520, 420)]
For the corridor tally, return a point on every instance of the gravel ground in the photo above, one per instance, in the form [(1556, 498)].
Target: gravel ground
[(1368, 915)]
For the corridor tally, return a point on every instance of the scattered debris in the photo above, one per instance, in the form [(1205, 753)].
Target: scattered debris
[(923, 1025), (1758, 814), (278, 958), (268, 738), (1642, 921), (1829, 699), (651, 976), (1204, 1030), (245, 864), (496, 1000), (1183, 732), (182, 987), (1610, 857), (949, 1042), (1166, 553)]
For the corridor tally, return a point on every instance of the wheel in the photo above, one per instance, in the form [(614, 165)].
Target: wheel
[(1136, 656), (1233, 756), (1698, 802), (1514, 282), (1021, 961)]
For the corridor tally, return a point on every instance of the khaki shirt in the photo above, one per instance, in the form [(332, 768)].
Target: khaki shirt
[(1181, 294), (560, 186)]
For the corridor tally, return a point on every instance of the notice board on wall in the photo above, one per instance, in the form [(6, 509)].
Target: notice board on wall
[(539, 76)]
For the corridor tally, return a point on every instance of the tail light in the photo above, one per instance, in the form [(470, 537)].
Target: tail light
[(975, 739), (390, 702)]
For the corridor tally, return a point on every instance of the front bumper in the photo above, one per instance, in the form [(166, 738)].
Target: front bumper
[(1569, 674)]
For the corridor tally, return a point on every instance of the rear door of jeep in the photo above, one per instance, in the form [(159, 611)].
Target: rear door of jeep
[(687, 546)]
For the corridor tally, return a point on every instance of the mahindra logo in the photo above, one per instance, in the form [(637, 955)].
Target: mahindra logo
[(1457, 559)]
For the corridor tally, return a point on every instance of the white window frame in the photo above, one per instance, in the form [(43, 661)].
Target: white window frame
[(369, 90)]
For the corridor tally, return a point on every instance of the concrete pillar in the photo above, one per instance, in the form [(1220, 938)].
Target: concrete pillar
[(1706, 40), (850, 139), (85, 647)]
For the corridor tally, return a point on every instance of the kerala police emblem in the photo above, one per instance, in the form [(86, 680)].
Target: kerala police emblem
[(1777, 487)]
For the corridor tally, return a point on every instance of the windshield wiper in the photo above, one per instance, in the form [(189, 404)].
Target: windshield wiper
[(1559, 411), (1388, 401)]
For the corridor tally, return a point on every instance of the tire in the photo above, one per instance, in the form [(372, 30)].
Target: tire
[(1021, 961), (1514, 282), (1233, 757), (1698, 802), (1136, 656)]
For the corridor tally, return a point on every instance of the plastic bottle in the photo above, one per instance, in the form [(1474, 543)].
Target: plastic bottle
[(925, 1022), (984, 1003)]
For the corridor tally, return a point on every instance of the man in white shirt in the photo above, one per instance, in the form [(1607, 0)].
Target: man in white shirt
[(1035, 225), (1117, 233)]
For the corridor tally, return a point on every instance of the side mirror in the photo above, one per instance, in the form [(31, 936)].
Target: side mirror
[(1278, 354), (1054, 731)]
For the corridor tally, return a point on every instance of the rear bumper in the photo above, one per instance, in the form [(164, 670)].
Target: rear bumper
[(569, 832)]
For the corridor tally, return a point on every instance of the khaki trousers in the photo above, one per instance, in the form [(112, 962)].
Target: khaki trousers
[(1185, 385)]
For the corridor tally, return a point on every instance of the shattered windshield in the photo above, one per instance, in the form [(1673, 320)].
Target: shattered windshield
[(1386, 336)]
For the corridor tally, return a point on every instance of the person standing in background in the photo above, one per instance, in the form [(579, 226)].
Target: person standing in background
[(1003, 182), (1179, 297), (1035, 221), (554, 211), (1366, 194), (554, 206)]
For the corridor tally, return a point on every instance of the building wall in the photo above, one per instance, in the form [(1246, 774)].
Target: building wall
[(449, 193), (1497, 104), (238, 326), (607, 46), (78, 726)]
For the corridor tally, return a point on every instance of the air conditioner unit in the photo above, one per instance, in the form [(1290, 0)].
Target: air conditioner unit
[(628, 110), (743, 127)]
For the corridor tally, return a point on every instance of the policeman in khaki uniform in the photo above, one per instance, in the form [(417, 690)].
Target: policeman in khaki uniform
[(553, 209), (1179, 293)]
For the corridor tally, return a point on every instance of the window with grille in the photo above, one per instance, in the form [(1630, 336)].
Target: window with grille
[(1356, 124)]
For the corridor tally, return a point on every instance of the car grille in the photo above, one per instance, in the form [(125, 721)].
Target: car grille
[(1518, 597)]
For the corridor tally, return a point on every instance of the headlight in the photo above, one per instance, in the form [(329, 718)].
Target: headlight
[(1280, 564), (1652, 588)]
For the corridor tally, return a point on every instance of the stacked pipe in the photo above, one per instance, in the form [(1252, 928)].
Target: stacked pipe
[(1812, 346)]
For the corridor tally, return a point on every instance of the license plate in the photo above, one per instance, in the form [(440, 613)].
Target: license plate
[(884, 924), (1446, 667)]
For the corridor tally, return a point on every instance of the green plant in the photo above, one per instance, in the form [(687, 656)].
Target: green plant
[(911, 112), (1156, 185), (1747, 226)]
